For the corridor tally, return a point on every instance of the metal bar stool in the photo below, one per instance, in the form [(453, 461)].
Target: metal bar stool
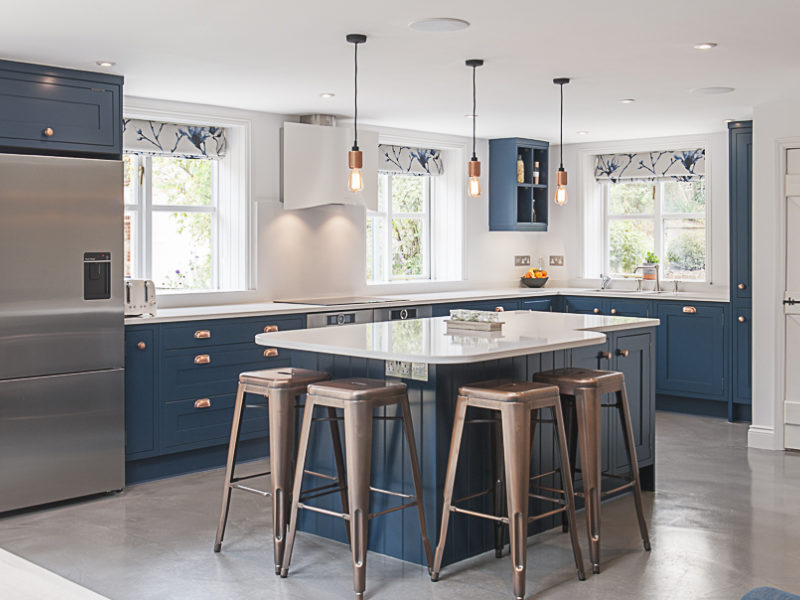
[(282, 387), (357, 398), (582, 396), (518, 404)]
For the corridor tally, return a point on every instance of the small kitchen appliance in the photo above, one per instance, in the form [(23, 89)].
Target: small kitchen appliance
[(140, 298)]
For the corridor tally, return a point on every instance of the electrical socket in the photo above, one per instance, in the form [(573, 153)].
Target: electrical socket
[(522, 261), (556, 260)]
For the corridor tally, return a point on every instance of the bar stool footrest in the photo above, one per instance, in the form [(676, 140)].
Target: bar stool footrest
[(244, 488)]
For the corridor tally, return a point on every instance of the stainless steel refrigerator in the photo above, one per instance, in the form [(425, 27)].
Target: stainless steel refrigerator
[(62, 431)]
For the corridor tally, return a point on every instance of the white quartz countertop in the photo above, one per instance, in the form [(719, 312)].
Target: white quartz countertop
[(228, 311), (429, 340)]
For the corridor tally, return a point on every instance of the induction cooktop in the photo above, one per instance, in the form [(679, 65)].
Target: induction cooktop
[(339, 300)]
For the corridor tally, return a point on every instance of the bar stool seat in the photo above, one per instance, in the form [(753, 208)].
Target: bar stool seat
[(581, 393), (281, 387), (357, 398), (518, 403)]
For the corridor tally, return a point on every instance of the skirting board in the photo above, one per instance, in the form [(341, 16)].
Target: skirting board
[(791, 436), (761, 437)]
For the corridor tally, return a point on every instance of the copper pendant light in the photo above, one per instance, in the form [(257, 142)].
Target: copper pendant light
[(561, 174), (355, 160), (474, 186)]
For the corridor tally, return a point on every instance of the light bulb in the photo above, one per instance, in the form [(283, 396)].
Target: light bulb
[(474, 186), (355, 182), (561, 195)]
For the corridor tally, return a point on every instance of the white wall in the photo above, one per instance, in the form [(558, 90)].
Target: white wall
[(776, 125), (566, 236)]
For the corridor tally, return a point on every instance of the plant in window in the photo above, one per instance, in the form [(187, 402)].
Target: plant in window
[(650, 258)]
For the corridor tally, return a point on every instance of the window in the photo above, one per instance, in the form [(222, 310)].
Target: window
[(666, 217), (172, 221), (398, 233)]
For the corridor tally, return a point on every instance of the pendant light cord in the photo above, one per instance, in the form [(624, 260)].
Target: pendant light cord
[(474, 116), (561, 131), (355, 98)]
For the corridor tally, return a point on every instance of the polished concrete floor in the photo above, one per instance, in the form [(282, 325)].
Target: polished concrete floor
[(724, 519)]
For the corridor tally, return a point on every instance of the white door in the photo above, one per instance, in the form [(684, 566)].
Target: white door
[(792, 300)]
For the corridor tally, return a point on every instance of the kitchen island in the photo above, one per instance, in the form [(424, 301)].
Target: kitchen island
[(434, 361)]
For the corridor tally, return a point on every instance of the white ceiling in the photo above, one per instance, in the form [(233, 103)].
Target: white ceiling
[(279, 56)]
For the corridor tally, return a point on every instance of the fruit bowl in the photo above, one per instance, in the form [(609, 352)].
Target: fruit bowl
[(534, 282)]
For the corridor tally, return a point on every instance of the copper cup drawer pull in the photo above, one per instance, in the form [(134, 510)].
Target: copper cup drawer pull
[(202, 334), (605, 355), (202, 359), (270, 352), (624, 353), (270, 328), (202, 403), (689, 310)]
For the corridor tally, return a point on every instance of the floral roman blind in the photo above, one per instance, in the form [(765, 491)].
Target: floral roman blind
[(674, 165), (190, 141), (412, 161)]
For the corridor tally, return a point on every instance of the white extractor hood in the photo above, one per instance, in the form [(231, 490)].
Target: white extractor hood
[(314, 166)]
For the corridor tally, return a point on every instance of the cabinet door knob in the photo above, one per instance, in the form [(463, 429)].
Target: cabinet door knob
[(741, 286), (621, 352), (48, 132), (269, 352), (742, 319), (499, 309), (605, 355), (202, 359), (613, 311), (202, 334), (596, 311), (689, 310), (202, 403), (270, 328), (141, 345)]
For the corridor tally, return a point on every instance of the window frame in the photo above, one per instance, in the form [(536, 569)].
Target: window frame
[(657, 217), (144, 208), (388, 215)]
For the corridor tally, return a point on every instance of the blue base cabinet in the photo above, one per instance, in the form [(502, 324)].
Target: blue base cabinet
[(48, 110), (180, 388), (692, 353)]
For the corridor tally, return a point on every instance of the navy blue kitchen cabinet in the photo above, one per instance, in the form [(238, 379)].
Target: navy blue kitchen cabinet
[(539, 304), (692, 350), (515, 206), (742, 358), (141, 408), (740, 143), (619, 307), (443, 310), (181, 387), (49, 110)]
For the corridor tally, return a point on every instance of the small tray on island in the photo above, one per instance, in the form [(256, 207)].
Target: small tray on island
[(456, 324)]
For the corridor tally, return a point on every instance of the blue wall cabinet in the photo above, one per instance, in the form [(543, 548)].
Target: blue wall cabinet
[(515, 206), (141, 409), (48, 110), (740, 139), (692, 350)]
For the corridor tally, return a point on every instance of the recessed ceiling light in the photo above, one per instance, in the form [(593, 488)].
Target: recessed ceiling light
[(105, 63), (628, 100), (439, 25), (714, 90), (705, 45), (327, 95), (582, 132)]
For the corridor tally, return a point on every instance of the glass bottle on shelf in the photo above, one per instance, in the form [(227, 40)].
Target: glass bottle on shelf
[(535, 172), (520, 169)]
